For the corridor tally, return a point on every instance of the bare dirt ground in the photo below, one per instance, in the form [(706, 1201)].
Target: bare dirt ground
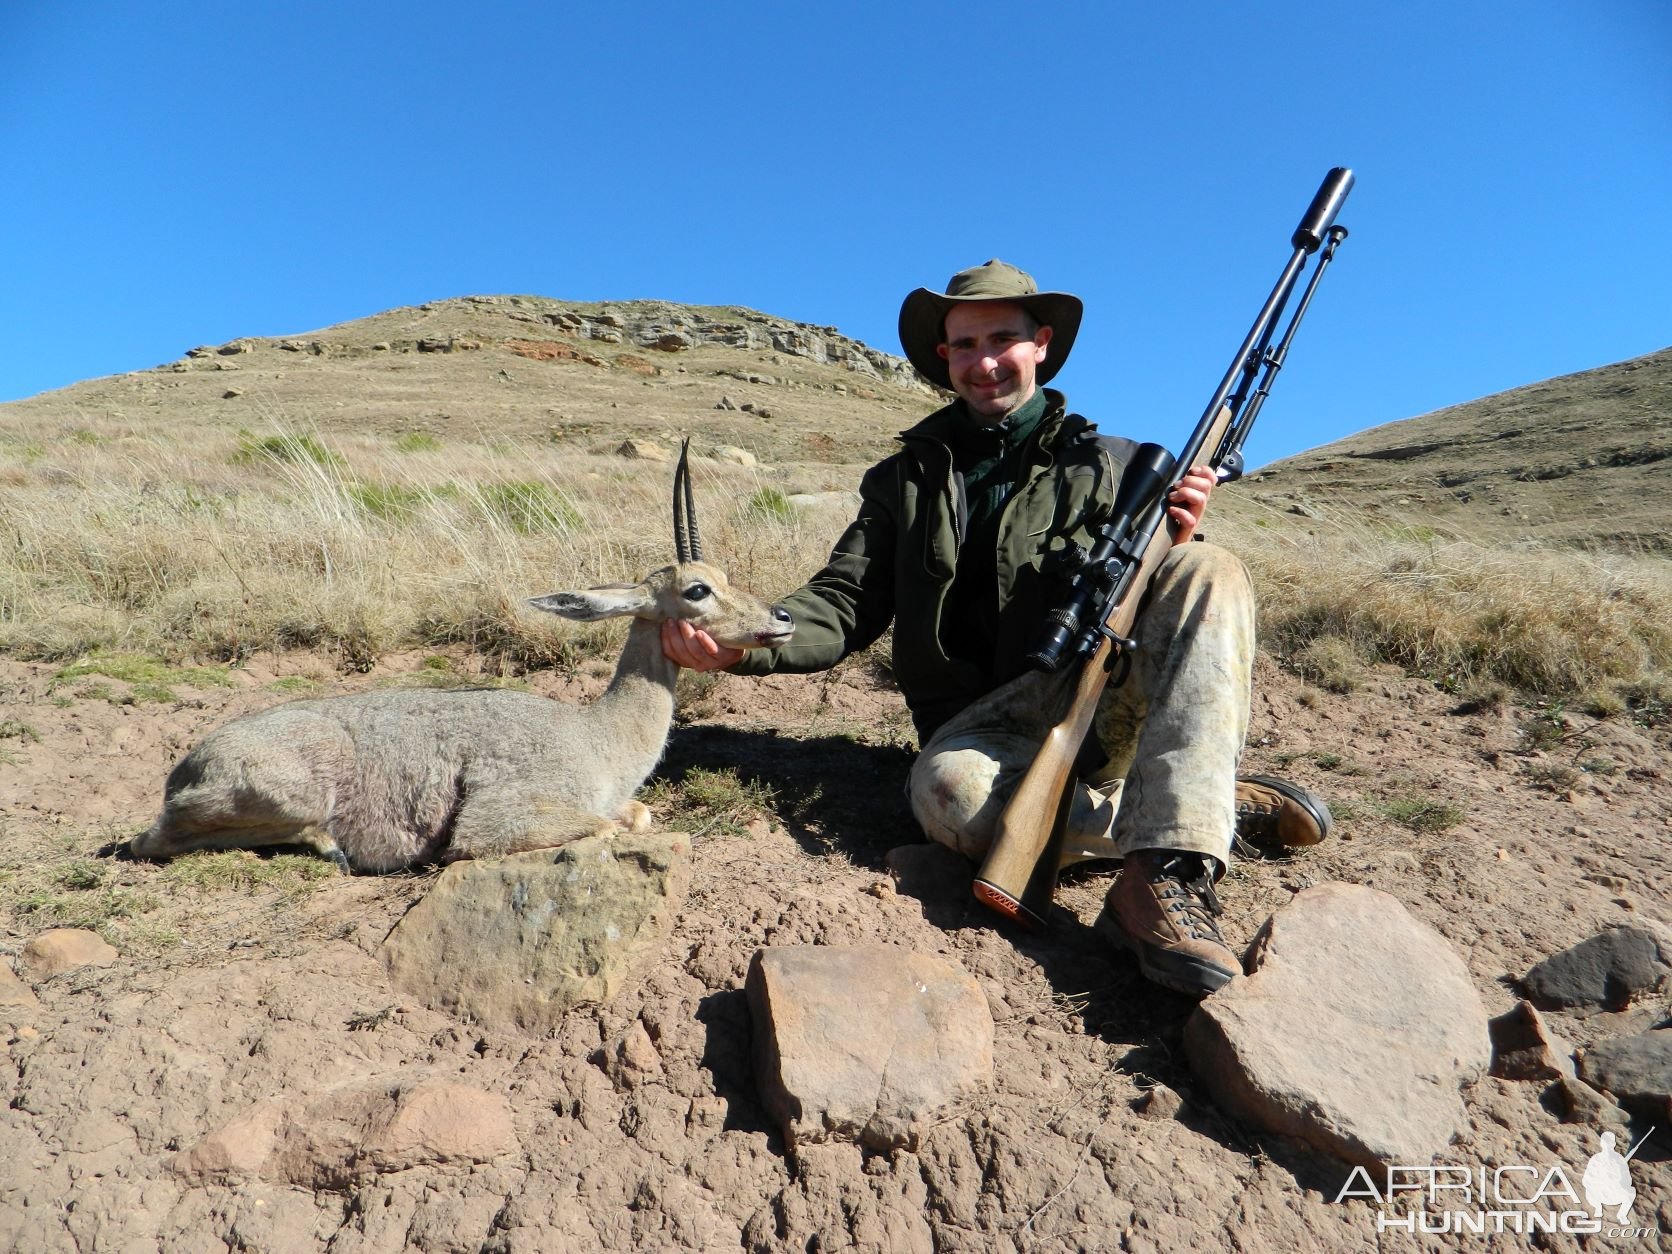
[(221, 1000)]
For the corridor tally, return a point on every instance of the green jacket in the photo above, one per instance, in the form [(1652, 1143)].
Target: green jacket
[(897, 559)]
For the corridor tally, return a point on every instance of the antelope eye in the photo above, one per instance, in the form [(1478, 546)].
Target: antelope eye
[(698, 592)]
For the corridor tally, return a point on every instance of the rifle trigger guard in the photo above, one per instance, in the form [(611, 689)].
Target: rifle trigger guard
[(1120, 655)]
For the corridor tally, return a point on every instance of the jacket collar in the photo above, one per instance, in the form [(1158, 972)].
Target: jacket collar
[(941, 425)]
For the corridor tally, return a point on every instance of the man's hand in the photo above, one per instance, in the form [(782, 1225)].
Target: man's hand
[(1189, 501), (694, 649)]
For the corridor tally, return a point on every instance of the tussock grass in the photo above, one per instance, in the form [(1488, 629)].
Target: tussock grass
[(710, 803), (205, 544), (1339, 596)]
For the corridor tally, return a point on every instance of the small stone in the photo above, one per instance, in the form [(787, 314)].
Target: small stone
[(232, 394), (1159, 1103), (1580, 1103), (14, 993), (736, 456), (634, 1058), (1524, 1048), (64, 949)]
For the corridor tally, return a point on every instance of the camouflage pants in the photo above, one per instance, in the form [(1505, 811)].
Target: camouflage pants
[(1173, 730)]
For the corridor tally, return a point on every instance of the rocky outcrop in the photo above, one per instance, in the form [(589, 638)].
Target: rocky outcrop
[(657, 326), (1355, 1030)]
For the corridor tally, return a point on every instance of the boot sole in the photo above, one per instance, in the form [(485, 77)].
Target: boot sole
[(1313, 806)]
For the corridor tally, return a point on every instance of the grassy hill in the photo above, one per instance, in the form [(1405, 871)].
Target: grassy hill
[(1584, 459)]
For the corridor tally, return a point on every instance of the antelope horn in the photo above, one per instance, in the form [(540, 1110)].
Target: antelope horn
[(687, 542)]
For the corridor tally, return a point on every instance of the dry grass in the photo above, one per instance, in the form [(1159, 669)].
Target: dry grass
[(205, 544), (1337, 596), (209, 545)]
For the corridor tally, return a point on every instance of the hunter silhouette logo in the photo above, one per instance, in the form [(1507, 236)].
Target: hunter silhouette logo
[(1607, 1178), (1510, 1197)]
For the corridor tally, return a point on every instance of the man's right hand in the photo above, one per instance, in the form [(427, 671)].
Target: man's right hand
[(694, 649)]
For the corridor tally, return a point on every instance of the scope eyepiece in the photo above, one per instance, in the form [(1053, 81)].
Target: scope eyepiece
[(1055, 637)]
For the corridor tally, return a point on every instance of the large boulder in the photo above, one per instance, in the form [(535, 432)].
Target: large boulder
[(1354, 1030), (865, 1044), (516, 942)]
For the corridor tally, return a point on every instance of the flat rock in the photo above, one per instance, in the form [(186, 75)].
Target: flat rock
[(64, 949), (736, 456), (1604, 972), (865, 1044), (642, 450), (1354, 1031), (1524, 1047), (516, 942), (1636, 1071), (343, 1136)]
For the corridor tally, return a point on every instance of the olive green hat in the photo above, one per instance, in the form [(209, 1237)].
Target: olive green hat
[(923, 316)]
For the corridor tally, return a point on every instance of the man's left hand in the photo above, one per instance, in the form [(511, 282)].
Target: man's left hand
[(1189, 501)]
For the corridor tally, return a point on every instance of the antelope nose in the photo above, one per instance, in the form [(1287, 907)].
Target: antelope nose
[(781, 615)]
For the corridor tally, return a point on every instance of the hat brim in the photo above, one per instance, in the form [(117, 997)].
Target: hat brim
[(923, 322)]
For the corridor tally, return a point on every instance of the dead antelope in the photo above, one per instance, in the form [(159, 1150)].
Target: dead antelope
[(387, 780)]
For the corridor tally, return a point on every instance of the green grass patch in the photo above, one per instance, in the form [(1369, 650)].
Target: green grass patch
[(417, 442), (709, 803), (391, 502), (12, 729), (1423, 815), (771, 503), (296, 449), (87, 908), (239, 870), (294, 685), (149, 679), (531, 508)]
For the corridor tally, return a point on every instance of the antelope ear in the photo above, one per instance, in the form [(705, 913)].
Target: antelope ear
[(609, 601)]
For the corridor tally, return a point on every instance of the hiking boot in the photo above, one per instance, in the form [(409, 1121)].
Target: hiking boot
[(1274, 814), (1162, 908)]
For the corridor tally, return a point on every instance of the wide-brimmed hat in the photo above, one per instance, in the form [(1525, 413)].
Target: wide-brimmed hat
[(923, 316)]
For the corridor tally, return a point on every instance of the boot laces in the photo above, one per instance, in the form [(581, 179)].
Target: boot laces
[(1184, 879)]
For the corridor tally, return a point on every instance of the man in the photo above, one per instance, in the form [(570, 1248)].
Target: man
[(954, 542)]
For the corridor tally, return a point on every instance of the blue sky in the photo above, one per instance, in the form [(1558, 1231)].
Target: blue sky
[(189, 173)]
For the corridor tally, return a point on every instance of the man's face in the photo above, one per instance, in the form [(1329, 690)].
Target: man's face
[(992, 351)]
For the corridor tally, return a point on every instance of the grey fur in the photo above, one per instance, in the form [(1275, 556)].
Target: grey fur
[(387, 780)]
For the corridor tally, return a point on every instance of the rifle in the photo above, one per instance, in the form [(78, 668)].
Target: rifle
[(1092, 629)]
